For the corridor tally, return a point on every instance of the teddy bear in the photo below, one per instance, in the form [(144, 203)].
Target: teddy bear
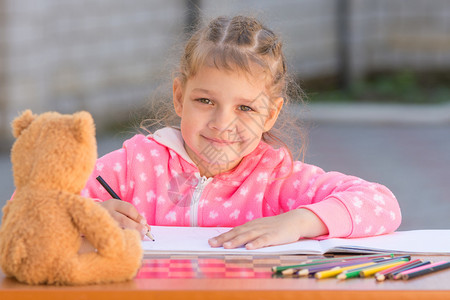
[(45, 221)]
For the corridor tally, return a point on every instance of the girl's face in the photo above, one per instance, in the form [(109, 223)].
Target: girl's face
[(223, 116)]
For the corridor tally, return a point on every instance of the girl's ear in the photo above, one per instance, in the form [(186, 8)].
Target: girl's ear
[(274, 110), (178, 96)]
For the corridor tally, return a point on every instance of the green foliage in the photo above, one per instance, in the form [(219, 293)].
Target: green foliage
[(400, 87)]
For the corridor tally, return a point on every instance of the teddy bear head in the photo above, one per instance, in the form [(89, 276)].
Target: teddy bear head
[(53, 151)]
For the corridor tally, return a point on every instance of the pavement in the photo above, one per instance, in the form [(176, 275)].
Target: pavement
[(405, 147)]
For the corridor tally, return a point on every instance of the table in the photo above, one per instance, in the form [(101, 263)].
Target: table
[(234, 277)]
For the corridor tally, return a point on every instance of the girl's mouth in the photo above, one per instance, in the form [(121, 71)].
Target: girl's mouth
[(220, 142)]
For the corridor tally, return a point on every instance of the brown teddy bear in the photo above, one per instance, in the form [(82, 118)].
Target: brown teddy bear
[(43, 224)]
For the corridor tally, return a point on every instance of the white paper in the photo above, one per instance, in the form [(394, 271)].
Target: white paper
[(190, 240), (425, 242)]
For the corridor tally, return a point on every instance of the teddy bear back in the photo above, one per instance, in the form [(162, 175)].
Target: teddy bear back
[(43, 224), (53, 150)]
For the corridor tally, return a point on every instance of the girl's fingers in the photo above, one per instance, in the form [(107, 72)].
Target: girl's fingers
[(141, 220), (126, 215), (128, 210), (224, 237), (254, 234), (126, 222), (241, 239), (235, 238), (260, 242), (251, 240)]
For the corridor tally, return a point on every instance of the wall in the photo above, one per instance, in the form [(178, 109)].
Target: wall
[(100, 56), (107, 57)]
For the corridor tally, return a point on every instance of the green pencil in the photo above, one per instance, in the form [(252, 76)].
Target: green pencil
[(280, 269), (314, 262)]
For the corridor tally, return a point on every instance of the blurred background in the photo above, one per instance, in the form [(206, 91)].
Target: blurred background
[(376, 74)]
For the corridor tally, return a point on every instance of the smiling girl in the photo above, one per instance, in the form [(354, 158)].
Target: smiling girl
[(219, 169)]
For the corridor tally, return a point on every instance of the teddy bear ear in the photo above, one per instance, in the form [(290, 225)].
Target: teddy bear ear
[(83, 125), (22, 122)]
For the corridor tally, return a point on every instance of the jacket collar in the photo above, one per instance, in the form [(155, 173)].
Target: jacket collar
[(171, 138)]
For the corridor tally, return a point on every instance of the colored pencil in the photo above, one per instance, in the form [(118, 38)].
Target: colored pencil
[(397, 274), (400, 267), (407, 266), (379, 267), (115, 196), (338, 270), (382, 275), (314, 269), (313, 262), (416, 272), (352, 273), (349, 274), (288, 270)]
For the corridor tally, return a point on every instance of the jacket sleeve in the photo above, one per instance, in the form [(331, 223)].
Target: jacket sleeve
[(113, 168), (349, 206)]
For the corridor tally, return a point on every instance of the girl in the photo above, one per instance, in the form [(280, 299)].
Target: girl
[(218, 169)]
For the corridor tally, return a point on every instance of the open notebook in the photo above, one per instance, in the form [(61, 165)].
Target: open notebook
[(194, 240)]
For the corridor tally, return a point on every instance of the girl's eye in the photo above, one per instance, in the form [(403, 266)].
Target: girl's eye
[(204, 101), (245, 108)]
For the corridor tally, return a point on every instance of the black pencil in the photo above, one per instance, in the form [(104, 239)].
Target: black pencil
[(107, 187), (115, 196)]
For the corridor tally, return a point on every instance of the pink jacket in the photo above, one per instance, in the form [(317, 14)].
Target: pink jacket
[(157, 176)]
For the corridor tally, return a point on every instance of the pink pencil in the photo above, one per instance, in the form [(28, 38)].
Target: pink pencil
[(413, 270), (440, 266)]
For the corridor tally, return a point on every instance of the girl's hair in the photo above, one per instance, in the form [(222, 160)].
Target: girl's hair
[(237, 43), (242, 44)]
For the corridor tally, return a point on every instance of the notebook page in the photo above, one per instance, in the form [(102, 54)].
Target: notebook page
[(426, 242), (190, 240)]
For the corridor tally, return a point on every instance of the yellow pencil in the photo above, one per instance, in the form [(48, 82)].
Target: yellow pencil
[(380, 267), (338, 270)]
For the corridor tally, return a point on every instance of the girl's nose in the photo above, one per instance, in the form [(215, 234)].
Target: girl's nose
[(223, 121)]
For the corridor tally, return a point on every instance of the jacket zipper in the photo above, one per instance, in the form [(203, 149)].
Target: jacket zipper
[(202, 182)]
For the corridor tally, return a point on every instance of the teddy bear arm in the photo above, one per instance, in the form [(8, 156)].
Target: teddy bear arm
[(119, 252), (13, 255), (116, 266), (97, 225), (5, 211)]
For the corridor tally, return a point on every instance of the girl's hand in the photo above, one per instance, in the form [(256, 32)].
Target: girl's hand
[(126, 215), (281, 229)]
